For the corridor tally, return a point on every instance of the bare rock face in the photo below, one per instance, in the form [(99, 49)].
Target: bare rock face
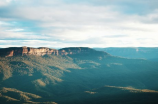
[(38, 51), (15, 51), (75, 50), (10, 53), (22, 51)]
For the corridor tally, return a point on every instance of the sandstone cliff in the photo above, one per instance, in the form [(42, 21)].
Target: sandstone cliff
[(75, 50), (15, 51)]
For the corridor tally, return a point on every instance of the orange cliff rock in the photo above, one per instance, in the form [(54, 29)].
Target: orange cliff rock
[(22, 51)]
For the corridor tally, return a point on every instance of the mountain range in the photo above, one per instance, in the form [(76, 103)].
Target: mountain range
[(149, 53), (75, 75)]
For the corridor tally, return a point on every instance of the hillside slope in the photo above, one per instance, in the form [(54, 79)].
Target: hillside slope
[(77, 78)]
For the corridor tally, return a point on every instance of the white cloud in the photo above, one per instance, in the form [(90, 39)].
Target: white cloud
[(82, 25), (16, 30), (3, 3)]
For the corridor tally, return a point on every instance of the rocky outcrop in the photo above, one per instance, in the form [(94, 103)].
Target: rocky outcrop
[(75, 50), (38, 51), (21, 51)]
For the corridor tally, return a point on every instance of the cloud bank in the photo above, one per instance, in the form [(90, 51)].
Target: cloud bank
[(67, 23)]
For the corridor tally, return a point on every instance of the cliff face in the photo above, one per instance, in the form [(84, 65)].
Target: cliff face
[(38, 51), (75, 50), (14, 51)]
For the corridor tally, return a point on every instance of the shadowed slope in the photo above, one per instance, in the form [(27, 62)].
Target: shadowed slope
[(70, 78)]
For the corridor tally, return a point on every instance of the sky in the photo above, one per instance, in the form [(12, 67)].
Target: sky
[(78, 23)]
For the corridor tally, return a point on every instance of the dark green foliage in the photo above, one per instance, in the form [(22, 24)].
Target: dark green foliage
[(77, 79)]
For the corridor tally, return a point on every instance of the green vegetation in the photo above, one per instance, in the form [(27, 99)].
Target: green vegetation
[(77, 79)]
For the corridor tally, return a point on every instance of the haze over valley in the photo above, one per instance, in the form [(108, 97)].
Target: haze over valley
[(76, 75), (78, 52)]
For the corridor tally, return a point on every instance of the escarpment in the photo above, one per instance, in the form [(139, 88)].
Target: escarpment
[(22, 51)]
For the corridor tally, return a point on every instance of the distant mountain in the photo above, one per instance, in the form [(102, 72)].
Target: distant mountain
[(76, 75), (150, 53)]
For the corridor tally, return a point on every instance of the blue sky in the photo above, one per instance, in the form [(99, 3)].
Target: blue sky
[(79, 23)]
